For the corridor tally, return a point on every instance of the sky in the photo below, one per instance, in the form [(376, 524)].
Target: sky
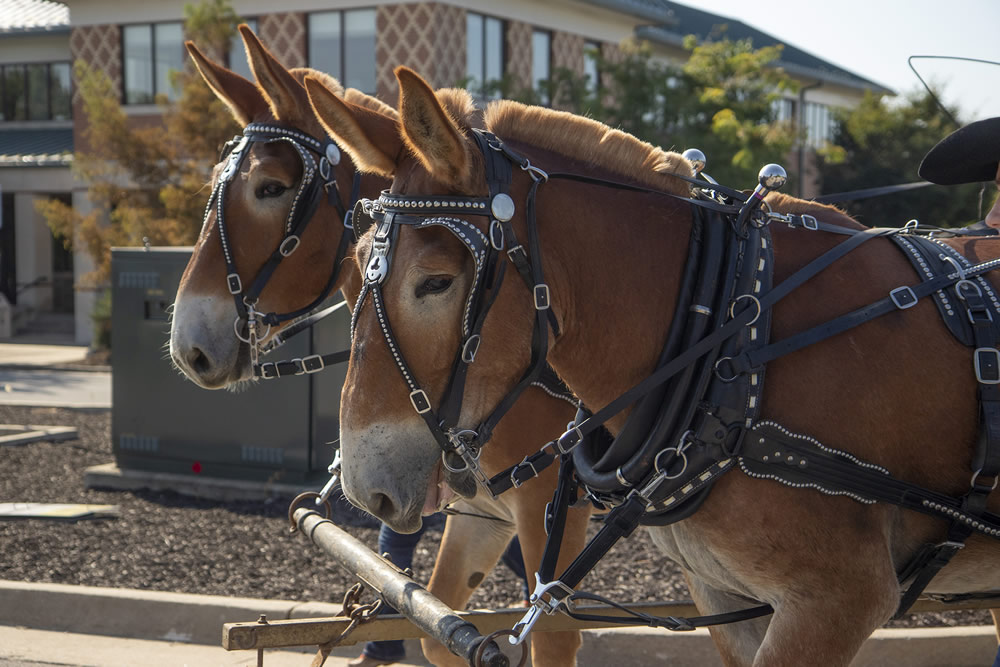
[(874, 39)]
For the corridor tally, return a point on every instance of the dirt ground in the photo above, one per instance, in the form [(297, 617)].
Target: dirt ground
[(168, 542)]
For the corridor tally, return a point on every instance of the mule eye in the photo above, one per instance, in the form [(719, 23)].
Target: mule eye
[(433, 285), (270, 190)]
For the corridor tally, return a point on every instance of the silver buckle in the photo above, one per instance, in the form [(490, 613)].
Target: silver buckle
[(542, 297), (470, 348), (513, 473), (903, 297), (312, 364), (981, 359), (572, 441), (235, 285), (420, 401), (266, 373), (289, 245), (809, 222)]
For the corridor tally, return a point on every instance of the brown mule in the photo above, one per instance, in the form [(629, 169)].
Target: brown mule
[(897, 391), (203, 344)]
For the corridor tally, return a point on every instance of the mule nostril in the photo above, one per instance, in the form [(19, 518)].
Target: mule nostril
[(198, 361), (380, 505)]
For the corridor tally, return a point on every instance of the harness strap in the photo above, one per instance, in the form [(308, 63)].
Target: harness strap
[(571, 438)]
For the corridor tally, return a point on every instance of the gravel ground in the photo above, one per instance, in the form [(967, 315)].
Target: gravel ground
[(169, 542)]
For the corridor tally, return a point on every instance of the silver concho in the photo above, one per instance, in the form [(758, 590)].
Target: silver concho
[(502, 207), (332, 154), (234, 159)]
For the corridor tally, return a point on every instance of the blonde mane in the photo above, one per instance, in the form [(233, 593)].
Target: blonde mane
[(355, 96), (589, 141), (300, 73), (459, 105)]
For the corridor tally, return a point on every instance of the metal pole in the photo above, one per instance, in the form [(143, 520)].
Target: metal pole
[(410, 598)]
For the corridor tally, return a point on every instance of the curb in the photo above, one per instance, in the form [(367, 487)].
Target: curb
[(181, 617)]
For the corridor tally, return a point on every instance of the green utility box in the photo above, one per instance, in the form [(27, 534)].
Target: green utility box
[(273, 430)]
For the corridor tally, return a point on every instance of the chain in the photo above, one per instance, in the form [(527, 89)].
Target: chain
[(354, 610)]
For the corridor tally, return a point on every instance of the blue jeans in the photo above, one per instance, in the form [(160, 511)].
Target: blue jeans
[(400, 549), (996, 660)]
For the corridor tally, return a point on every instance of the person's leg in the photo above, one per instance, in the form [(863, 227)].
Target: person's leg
[(400, 549)]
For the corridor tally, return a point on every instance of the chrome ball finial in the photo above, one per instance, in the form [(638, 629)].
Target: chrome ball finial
[(696, 158), (772, 176)]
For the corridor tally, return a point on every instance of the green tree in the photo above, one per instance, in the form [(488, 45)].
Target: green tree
[(720, 101), (878, 144), (147, 182)]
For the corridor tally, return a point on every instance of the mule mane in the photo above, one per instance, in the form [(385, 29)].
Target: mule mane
[(299, 74), (787, 204), (355, 96), (589, 141), (459, 105)]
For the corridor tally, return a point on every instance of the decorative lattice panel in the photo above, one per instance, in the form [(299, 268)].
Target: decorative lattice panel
[(518, 64), (567, 51), (99, 46), (285, 36), (427, 37)]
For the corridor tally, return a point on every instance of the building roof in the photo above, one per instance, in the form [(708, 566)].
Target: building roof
[(21, 16), (670, 23), (50, 147)]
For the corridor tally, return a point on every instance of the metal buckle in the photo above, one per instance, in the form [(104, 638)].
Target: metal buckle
[(513, 473), (235, 285), (518, 249), (809, 222), (540, 606), (571, 438), (903, 297), (987, 359), (289, 245), (313, 363), (542, 297), (267, 369), (470, 348), (420, 401)]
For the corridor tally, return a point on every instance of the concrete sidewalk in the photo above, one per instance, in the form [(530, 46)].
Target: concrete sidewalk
[(52, 376), (155, 628)]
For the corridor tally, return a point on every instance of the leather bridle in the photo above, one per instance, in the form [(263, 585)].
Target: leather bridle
[(319, 158), (461, 447)]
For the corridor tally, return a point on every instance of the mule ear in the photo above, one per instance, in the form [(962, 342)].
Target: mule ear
[(370, 138), (285, 95), (432, 135), (240, 95)]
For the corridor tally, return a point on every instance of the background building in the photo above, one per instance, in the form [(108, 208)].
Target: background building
[(138, 43)]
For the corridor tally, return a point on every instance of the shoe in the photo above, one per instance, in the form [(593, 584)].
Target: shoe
[(367, 661)]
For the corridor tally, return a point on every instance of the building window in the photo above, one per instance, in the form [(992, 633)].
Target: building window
[(342, 44), (591, 51), (541, 62), (819, 124), (237, 56), (483, 52), (783, 110), (36, 91), (151, 52)]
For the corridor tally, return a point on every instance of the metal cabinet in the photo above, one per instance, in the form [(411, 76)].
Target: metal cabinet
[(275, 430)]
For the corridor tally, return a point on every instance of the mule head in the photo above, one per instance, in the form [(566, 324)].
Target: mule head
[(259, 193), (392, 463)]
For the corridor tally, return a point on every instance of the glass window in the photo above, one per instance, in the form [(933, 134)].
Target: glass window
[(359, 50), (38, 91), (137, 48), (590, 53), (237, 54), (541, 57), (60, 91), (169, 41), (818, 124), (342, 44), (15, 99), (483, 50), (151, 52)]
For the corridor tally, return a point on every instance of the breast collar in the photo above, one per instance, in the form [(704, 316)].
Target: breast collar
[(251, 326), (461, 447)]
